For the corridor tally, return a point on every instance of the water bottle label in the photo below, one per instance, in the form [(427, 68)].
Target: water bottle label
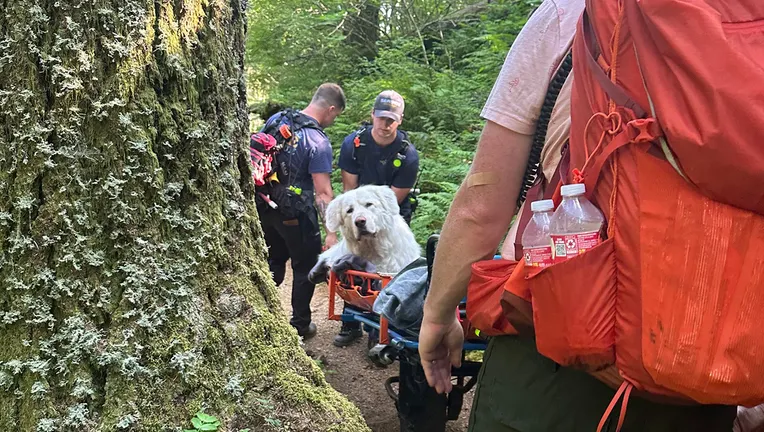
[(538, 257), (560, 252), (568, 246), (587, 241)]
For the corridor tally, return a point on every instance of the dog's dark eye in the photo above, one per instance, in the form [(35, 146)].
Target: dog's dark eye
[(369, 204), (350, 210)]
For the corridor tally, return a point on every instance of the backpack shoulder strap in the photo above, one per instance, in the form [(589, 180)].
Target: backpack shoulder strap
[(406, 143), (272, 125), (404, 148), (358, 142), (534, 180), (539, 138), (293, 119), (301, 121)]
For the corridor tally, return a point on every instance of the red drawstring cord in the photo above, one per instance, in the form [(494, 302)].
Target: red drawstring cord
[(616, 123), (624, 390)]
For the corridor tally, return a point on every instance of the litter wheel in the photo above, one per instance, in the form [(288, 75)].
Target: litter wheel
[(373, 339), (382, 355)]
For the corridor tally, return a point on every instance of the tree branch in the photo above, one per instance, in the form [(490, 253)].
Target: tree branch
[(461, 15), (419, 33), (445, 47)]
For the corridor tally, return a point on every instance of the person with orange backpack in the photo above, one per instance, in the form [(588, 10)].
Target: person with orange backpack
[(654, 328)]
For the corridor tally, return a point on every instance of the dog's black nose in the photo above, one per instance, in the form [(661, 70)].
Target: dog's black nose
[(360, 223)]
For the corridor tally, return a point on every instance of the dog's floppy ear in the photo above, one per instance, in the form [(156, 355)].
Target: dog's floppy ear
[(388, 199), (334, 214)]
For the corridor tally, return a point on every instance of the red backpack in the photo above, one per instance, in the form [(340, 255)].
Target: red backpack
[(667, 133)]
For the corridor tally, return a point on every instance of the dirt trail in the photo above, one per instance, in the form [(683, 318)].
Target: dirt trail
[(350, 372)]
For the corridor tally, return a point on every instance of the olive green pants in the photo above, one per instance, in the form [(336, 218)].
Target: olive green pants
[(519, 390)]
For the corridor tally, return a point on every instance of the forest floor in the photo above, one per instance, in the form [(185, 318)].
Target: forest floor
[(351, 372)]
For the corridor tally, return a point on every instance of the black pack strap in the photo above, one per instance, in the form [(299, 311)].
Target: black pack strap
[(295, 120), (359, 135), (406, 144), (539, 138), (400, 156), (301, 121), (358, 143)]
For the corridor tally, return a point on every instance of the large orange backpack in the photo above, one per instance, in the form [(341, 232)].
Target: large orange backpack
[(667, 133)]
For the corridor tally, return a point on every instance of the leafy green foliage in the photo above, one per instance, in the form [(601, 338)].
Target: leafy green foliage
[(465, 45), (293, 46), (204, 422)]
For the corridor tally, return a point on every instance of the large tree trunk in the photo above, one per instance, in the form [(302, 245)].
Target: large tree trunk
[(134, 290)]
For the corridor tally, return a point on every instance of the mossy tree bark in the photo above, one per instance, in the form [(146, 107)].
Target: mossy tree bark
[(133, 285)]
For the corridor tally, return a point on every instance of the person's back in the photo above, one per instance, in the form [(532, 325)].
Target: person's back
[(518, 388), (291, 201), (298, 158)]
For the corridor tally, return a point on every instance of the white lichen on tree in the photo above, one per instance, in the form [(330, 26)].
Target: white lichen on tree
[(133, 284)]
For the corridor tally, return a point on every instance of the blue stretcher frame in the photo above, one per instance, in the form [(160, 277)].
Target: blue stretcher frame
[(399, 338)]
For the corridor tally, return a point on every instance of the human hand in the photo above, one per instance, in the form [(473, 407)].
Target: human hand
[(331, 240), (440, 348)]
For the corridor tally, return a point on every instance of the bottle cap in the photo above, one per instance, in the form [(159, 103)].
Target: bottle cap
[(542, 206), (573, 189)]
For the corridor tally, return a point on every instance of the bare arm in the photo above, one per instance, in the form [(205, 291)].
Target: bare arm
[(478, 219), (349, 181), (324, 194), (401, 194)]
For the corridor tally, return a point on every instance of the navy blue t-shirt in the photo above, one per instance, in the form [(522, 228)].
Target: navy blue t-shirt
[(378, 162), (311, 154)]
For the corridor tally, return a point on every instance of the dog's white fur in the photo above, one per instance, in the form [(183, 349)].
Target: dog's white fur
[(387, 241)]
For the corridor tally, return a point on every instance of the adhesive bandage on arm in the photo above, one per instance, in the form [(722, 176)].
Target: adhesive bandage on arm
[(482, 179)]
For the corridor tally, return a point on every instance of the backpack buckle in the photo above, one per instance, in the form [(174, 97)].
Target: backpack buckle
[(644, 130), (285, 131)]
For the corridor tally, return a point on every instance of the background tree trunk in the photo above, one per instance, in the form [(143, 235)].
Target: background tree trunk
[(362, 28), (134, 289)]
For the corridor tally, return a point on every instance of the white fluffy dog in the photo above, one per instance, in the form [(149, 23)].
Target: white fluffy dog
[(368, 219)]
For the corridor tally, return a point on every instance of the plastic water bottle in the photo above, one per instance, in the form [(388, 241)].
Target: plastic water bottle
[(537, 246), (576, 224)]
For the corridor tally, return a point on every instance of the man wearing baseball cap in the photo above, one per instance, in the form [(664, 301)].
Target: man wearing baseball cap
[(380, 154)]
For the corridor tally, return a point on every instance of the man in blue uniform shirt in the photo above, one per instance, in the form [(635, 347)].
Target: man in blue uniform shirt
[(292, 229), (380, 154)]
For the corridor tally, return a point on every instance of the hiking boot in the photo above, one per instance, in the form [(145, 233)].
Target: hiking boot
[(308, 331), (349, 332)]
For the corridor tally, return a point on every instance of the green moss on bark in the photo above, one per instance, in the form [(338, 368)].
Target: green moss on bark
[(134, 285)]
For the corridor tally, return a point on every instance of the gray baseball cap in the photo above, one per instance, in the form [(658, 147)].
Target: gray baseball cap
[(389, 104)]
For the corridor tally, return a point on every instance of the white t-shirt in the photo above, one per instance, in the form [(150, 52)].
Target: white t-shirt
[(518, 94)]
